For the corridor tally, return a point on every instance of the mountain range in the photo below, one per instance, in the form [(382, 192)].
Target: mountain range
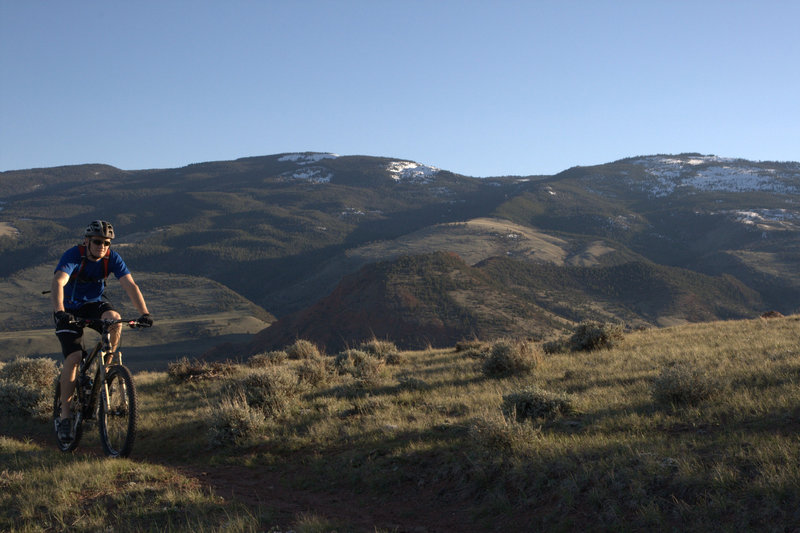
[(338, 249)]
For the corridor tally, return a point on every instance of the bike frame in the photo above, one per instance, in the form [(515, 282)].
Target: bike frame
[(105, 358), (97, 354), (101, 353)]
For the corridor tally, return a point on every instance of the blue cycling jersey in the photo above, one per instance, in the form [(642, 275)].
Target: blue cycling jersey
[(90, 285)]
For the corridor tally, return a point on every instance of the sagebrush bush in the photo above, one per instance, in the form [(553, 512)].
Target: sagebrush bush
[(532, 403), (234, 421), (685, 384), (366, 369), (412, 383), (593, 335), (345, 361), (261, 360), (314, 371), (500, 435), (272, 390), (303, 349), (556, 346), (27, 386), (379, 348), (37, 374), (21, 400), (395, 358), (184, 370), (369, 371), (511, 358), (385, 350)]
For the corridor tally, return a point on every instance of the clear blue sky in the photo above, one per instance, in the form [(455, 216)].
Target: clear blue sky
[(482, 88)]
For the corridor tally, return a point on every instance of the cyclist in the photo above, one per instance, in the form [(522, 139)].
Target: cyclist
[(77, 292)]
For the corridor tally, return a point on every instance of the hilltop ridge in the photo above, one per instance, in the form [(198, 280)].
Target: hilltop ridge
[(283, 231)]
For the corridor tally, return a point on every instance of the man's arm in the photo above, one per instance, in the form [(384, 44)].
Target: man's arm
[(133, 292), (60, 279)]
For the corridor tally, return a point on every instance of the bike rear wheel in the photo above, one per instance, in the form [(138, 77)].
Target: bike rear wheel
[(75, 409), (117, 416)]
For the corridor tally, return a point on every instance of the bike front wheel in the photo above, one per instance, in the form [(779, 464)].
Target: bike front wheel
[(117, 416)]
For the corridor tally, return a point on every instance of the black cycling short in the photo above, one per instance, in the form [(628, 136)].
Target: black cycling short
[(72, 335)]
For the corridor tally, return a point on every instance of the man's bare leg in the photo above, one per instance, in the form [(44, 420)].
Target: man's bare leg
[(69, 374), (116, 330)]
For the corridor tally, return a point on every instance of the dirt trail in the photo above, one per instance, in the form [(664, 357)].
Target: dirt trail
[(409, 509), (273, 494)]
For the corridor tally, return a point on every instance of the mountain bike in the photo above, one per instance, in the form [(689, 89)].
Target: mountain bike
[(104, 392)]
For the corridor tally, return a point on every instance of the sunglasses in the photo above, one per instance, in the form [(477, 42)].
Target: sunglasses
[(100, 242)]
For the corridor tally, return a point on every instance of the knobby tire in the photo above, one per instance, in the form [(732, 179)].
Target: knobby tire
[(117, 418)]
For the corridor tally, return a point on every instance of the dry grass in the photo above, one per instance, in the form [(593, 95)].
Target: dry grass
[(44, 490), (689, 428)]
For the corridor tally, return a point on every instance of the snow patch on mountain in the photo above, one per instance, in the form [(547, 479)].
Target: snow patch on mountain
[(767, 219), (621, 222), (307, 172), (310, 174), (410, 171), (307, 158), (358, 212), (735, 179), (713, 173)]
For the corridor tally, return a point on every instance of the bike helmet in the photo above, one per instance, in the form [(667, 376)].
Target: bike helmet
[(99, 228)]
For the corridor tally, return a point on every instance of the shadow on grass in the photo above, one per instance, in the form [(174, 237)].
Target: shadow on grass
[(353, 390), (156, 358)]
